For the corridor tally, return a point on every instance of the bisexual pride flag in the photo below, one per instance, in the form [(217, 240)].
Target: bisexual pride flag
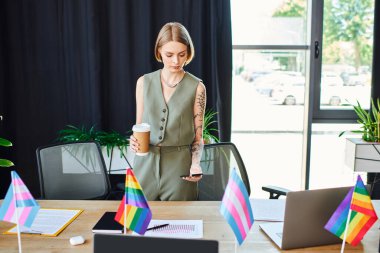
[(236, 208), (18, 196), (134, 205), (362, 217)]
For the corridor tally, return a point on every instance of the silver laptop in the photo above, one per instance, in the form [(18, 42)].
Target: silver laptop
[(103, 243), (306, 214)]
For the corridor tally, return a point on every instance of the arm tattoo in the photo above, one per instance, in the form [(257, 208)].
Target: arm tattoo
[(197, 145), (201, 103)]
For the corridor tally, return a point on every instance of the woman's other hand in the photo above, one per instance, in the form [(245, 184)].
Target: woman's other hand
[(192, 178), (193, 171)]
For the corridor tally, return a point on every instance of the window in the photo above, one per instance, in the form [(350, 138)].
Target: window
[(347, 38), (269, 80), (295, 68)]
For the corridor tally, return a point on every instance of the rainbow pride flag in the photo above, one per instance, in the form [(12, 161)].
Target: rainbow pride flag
[(138, 211), (363, 215), (18, 196), (236, 208)]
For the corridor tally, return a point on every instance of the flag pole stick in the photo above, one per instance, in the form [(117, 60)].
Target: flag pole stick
[(347, 222), (125, 203), (345, 231), (236, 242), (17, 218), (125, 218)]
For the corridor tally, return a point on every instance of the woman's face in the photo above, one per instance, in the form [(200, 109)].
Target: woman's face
[(173, 55)]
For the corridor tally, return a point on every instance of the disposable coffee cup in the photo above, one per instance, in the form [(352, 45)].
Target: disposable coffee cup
[(142, 133)]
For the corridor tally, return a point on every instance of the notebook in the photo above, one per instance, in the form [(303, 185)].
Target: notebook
[(306, 214), (107, 224), (144, 244)]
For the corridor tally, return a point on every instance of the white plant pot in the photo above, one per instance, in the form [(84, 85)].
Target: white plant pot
[(362, 156), (119, 164)]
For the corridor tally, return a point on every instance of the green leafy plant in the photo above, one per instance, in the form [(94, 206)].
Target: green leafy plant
[(109, 140), (208, 129), (5, 162), (370, 122)]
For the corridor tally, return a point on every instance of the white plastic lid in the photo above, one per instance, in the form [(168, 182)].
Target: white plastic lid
[(143, 127)]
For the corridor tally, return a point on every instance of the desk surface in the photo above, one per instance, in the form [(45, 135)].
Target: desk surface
[(214, 228)]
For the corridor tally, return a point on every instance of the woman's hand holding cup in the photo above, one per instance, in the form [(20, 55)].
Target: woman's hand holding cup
[(140, 139), (133, 144)]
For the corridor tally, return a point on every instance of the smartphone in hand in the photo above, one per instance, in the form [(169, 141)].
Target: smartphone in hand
[(193, 175)]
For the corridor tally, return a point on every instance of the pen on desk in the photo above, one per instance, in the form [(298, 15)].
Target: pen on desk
[(158, 226)]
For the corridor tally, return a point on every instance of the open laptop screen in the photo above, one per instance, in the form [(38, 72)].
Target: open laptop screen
[(103, 243)]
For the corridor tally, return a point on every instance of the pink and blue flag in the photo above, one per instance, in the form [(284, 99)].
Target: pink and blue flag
[(236, 208), (18, 196)]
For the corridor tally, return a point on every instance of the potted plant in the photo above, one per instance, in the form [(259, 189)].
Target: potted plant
[(208, 129), (114, 145), (5, 162), (369, 121), (363, 154)]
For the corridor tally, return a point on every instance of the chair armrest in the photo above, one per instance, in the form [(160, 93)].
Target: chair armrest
[(274, 191)]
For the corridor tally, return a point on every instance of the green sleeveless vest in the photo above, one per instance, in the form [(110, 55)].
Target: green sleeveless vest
[(171, 124)]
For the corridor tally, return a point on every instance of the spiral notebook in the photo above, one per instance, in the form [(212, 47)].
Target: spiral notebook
[(172, 228)]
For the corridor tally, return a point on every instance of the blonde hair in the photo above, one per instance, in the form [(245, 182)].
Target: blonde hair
[(174, 31)]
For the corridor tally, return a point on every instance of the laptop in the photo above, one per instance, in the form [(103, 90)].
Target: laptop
[(306, 214), (143, 244)]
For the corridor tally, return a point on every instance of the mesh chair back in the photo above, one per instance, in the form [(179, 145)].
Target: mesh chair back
[(217, 161), (72, 171)]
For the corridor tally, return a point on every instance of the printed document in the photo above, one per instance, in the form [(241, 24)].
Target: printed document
[(176, 228), (49, 222)]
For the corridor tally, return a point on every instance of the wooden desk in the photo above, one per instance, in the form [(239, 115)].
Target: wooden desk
[(214, 228)]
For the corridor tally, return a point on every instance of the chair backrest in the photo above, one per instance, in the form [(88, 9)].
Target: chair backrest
[(217, 161), (72, 171)]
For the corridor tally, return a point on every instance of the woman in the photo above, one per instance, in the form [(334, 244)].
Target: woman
[(173, 102)]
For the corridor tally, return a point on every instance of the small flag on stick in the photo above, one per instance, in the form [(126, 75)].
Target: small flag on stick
[(18, 196), (236, 208), (19, 206), (138, 214), (354, 216)]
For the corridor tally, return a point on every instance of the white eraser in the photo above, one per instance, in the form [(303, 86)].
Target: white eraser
[(76, 240)]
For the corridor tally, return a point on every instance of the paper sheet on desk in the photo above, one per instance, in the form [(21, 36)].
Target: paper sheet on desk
[(268, 209), (49, 222), (177, 229)]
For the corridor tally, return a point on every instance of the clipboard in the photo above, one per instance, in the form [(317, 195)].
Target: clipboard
[(49, 222)]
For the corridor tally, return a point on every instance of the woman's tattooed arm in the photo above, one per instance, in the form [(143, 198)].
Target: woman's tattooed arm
[(197, 145)]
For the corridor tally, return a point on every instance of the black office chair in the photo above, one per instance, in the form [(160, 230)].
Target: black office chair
[(217, 161), (72, 171), (274, 191)]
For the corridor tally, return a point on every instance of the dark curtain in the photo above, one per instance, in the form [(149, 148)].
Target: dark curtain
[(76, 62), (375, 93)]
